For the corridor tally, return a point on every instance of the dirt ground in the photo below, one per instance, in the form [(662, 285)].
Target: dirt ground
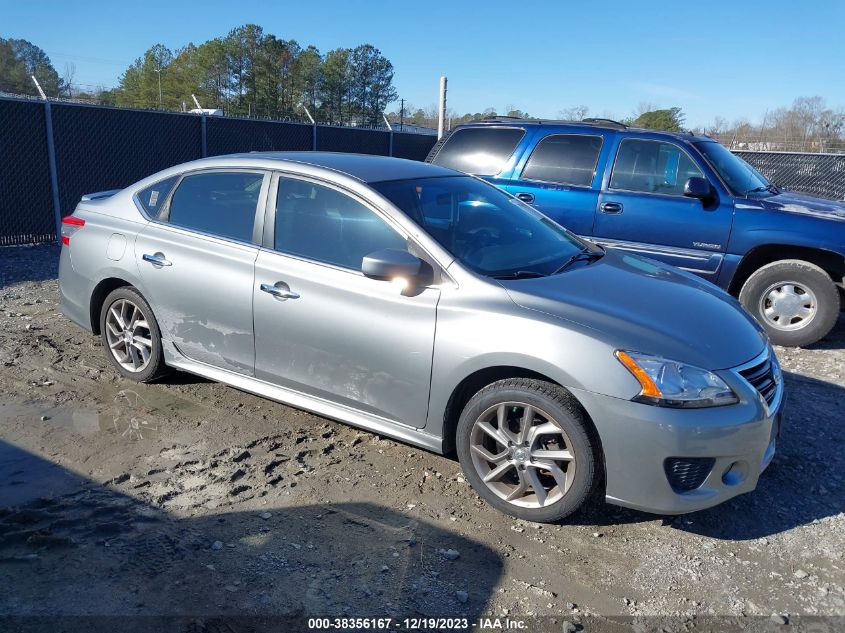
[(190, 498)]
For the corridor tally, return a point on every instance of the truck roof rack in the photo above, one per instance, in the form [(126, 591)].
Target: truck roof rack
[(593, 122)]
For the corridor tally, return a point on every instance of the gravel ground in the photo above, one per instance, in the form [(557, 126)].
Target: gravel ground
[(191, 498)]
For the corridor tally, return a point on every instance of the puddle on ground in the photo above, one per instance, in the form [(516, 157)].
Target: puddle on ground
[(127, 414)]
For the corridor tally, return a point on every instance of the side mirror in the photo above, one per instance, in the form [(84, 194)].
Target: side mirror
[(697, 187), (389, 264)]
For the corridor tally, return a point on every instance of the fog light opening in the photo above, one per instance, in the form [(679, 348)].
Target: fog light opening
[(735, 474)]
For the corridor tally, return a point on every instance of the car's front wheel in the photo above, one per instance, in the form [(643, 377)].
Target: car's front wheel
[(131, 335), (795, 301), (524, 446)]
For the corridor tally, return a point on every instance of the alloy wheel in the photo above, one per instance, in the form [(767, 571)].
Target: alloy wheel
[(522, 455), (128, 335), (788, 305)]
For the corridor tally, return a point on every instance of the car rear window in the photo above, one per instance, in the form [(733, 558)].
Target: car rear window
[(482, 151), (566, 159), (152, 198)]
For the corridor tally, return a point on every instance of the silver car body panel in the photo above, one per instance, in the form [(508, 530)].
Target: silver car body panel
[(357, 350)]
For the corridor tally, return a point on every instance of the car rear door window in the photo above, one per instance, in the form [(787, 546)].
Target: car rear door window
[(152, 198), (482, 151), (326, 225), (219, 203), (652, 167), (566, 159)]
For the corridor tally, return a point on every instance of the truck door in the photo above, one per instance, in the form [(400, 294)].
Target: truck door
[(560, 178), (643, 209)]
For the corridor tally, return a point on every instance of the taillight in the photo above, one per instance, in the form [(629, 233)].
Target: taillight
[(70, 225)]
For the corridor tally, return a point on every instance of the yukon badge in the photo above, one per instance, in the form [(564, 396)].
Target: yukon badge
[(717, 247)]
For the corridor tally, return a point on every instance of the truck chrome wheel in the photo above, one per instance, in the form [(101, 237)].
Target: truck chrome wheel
[(788, 305), (128, 335), (522, 455)]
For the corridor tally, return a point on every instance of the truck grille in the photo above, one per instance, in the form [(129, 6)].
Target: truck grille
[(762, 378), (687, 473)]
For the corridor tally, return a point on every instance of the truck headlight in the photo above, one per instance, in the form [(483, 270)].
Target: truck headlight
[(668, 383)]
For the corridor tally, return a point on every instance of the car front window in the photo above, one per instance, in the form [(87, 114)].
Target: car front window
[(481, 226), (741, 177)]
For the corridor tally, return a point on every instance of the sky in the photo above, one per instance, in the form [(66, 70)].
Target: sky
[(734, 59)]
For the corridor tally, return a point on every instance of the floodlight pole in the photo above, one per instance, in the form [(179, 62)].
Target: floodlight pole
[(38, 85)]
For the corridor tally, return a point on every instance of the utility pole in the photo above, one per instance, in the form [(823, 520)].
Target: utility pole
[(441, 119)]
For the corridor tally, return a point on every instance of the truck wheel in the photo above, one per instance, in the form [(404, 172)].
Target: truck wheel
[(795, 301), (525, 448)]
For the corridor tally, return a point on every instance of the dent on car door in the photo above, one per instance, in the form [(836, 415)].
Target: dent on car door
[(643, 208), (324, 329), (197, 264)]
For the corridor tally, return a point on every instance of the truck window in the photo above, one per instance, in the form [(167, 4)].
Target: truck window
[(652, 167), (566, 159), (482, 151)]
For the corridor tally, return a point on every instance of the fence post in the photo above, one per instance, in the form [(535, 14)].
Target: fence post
[(390, 152), (314, 137), (203, 137), (54, 178)]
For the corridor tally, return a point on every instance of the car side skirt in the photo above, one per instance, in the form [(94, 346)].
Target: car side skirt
[(310, 403)]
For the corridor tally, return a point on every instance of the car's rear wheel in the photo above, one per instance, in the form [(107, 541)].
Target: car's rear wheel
[(131, 336), (795, 301), (525, 447)]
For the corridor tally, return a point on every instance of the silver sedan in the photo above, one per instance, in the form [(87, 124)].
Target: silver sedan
[(427, 305)]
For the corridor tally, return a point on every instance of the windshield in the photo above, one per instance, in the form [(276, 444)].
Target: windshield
[(741, 177), (484, 228)]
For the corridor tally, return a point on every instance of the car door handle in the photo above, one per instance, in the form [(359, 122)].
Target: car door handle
[(611, 207), (157, 259), (279, 293), (527, 198)]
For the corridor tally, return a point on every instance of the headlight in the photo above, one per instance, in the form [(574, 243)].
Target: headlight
[(668, 383)]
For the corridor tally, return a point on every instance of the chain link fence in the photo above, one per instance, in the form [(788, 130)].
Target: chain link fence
[(26, 201), (51, 153), (821, 175)]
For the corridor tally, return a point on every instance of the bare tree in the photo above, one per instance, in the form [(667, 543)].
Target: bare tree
[(67, 79), (574, 113)]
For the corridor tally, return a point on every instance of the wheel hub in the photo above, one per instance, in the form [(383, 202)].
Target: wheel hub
[(786, 304), (520, 455)]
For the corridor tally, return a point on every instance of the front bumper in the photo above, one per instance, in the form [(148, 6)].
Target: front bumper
[(637, 439)]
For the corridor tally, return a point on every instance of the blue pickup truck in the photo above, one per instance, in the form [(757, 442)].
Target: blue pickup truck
[(683, 199)]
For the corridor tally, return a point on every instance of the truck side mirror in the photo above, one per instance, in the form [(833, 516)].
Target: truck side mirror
[(698, 187)]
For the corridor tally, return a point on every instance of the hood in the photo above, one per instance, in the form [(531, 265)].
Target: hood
[(641, 305), (792, 202)]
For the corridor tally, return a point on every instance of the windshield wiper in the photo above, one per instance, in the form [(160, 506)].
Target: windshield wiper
[(520, 274), (770, 187), (583, 256)]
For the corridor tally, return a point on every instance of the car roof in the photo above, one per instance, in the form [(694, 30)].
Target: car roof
[(606, 124), (364, 167)]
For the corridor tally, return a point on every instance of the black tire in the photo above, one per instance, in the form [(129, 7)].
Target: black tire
[(155, 367), (804, 276), (566, 413)]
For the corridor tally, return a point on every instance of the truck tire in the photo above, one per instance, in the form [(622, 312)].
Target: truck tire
[(795, 301)]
